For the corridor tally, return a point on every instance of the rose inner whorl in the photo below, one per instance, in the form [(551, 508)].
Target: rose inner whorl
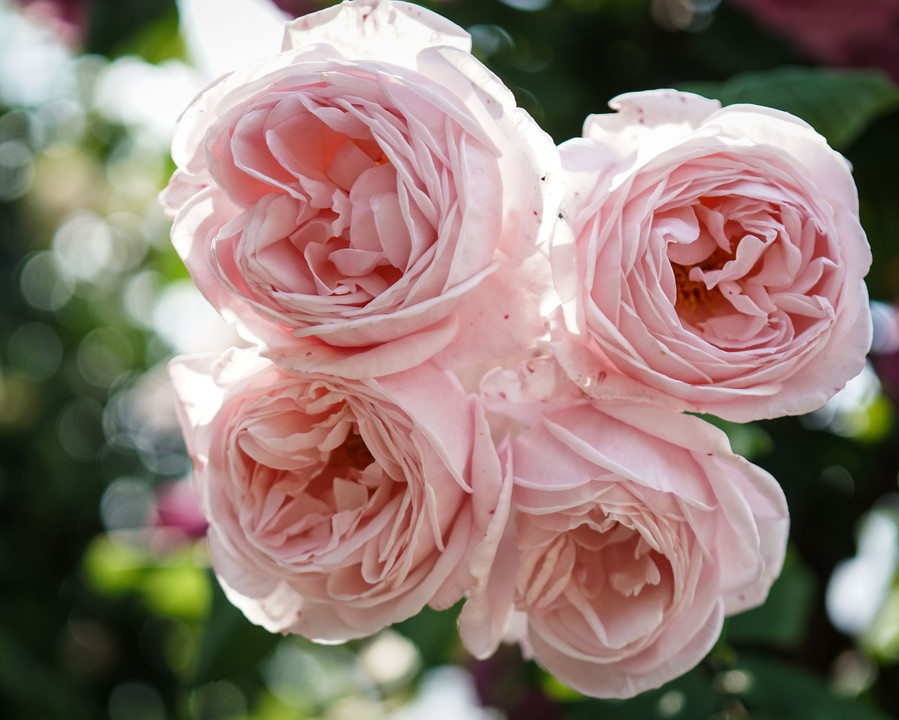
[(746, 256), (315, 501), (609, 562)]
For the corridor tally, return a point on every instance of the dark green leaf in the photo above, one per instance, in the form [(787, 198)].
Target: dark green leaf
[(774, 689), (685, 698), (435, 634), (839, 104), (231, 644)]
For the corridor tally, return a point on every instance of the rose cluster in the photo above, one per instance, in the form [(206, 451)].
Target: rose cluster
[(474, 355)]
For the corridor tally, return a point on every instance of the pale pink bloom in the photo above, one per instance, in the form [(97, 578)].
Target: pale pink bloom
[(369, 197), (337, 507), (634, 532), (717, 263)]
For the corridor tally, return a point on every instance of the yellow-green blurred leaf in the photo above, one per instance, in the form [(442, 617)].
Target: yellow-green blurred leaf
[(111, 567), (180, 591)]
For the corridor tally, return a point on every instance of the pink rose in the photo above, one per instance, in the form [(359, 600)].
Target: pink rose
[(634, 531), (337, 507), (368, 197), (717, 263)]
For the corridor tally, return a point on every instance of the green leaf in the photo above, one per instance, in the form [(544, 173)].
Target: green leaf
[(178, 590), (231, 644), (747, 439), (685, 698), (113, 569), (435, 634), (839, 104), (773, 689), (882, 639)]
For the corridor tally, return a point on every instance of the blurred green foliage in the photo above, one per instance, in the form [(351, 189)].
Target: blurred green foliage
[(103, 615)]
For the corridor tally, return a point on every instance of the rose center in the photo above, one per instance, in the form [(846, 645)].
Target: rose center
[(304, 512), (605, 558), (694, 297), (715, 228), (340, 231), (353, 454)]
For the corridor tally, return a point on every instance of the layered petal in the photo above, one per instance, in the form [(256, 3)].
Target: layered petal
[(717, 263), (634, 531), (337, 507), (363, 187)]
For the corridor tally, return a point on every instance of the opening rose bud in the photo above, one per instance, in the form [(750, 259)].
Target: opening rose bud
[(368, 197), (717, 263), (337, 507)]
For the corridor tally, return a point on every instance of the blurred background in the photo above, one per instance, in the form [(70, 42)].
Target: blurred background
[(107, 605)]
